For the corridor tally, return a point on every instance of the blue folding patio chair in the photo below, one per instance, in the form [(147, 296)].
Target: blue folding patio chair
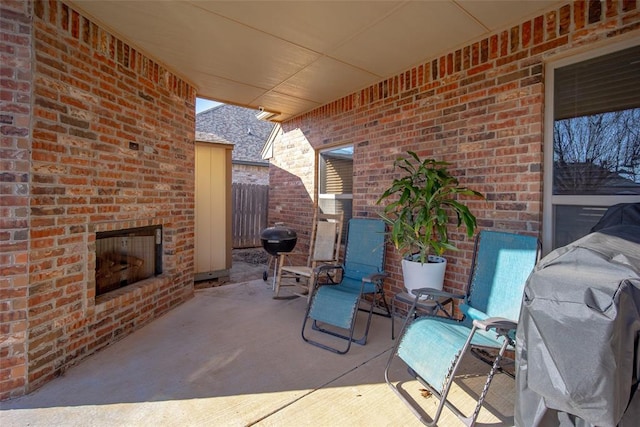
[(432, 347), (334, 303)]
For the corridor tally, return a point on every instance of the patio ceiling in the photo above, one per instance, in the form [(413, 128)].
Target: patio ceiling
[(291, 57)]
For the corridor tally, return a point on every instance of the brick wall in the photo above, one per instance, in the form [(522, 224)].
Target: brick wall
[(15, 102), (111, 137), (479, 107), (250, 174)]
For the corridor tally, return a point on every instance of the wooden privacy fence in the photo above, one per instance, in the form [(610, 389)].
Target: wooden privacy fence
[(249, 211)]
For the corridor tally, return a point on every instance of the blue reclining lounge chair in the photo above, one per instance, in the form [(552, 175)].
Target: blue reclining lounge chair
[(432, 347), (334, 304)]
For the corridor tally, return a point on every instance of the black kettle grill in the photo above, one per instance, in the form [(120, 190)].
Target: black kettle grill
[(275, 240), (278, 239)]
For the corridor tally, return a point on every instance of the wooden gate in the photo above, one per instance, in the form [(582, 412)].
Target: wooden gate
[(250, 204)]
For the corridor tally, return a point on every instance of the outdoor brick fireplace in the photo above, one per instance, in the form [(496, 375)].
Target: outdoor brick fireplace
[(125, 257), (102, 141)]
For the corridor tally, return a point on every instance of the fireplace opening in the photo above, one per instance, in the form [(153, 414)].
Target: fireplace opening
[(127, 256)]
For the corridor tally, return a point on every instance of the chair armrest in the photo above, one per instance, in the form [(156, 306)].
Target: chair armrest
[(328, 267), (499, 323), (433, 293), (374, 277), (293, 253)]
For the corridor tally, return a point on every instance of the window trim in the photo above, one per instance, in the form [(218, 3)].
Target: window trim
[(333, 196), (548, 199), (319, 173)]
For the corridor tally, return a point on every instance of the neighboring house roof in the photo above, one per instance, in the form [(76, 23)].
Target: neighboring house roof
[(589, 178), (211, 137), (238, 126)]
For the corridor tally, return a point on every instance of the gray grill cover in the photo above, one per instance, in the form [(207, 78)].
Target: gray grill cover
[(578, 339)]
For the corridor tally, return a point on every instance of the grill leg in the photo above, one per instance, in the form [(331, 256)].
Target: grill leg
[(275, 270)]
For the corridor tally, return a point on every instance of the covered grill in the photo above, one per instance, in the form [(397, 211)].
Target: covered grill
[(275, 240), (578, 348)]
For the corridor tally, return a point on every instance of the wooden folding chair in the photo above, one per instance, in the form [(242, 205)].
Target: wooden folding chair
[(324, 248)]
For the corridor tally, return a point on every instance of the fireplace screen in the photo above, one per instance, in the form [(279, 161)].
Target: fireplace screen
[(124, 257)]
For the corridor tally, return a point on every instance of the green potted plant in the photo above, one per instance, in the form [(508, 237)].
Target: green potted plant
[(421, 203)]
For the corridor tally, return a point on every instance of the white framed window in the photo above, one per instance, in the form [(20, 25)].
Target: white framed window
[(592, 139), (335, 181)]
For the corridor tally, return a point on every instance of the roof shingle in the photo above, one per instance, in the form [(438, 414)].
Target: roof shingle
[(236, 125)]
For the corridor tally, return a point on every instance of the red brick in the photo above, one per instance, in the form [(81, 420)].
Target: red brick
[(538, 30), (565, 19), (628, 5), (594, 12), (504, 43)]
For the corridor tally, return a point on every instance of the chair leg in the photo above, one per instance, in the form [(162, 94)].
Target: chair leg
[(494, 368), (385, 305), (311, 281), (374, 297), (363, 340), (313, 286), (405, 322), (393, 318), (310, 286)]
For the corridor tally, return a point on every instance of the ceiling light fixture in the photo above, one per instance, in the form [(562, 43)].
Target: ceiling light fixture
[(265, 115)]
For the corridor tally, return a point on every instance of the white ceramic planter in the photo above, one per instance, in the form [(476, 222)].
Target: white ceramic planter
[(427, 275)]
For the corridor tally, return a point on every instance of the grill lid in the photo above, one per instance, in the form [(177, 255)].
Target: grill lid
[(278, 234)]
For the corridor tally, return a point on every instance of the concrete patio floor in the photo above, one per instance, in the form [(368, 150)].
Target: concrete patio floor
[(233, 356)]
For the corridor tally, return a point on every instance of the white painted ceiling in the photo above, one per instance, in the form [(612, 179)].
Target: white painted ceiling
[(293, 56)]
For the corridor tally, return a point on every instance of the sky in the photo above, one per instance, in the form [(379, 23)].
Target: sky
[(204, 104)]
